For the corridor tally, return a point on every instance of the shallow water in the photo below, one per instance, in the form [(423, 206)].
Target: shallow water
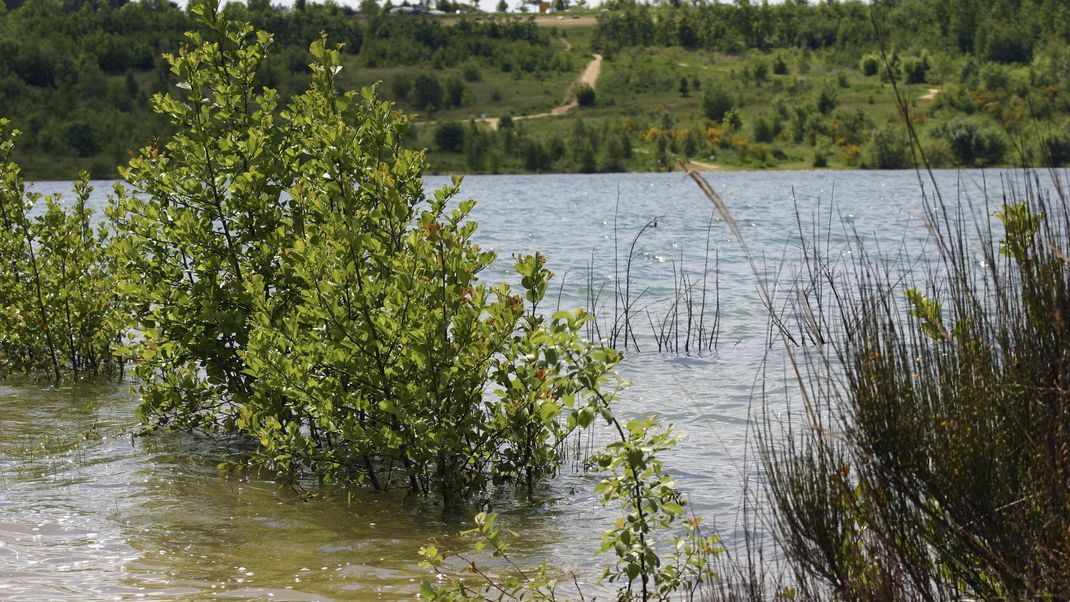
[(88, 511)]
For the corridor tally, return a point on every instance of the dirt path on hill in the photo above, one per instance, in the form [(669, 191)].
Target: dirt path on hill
[(929, 94), (589, 77), (703, 166)]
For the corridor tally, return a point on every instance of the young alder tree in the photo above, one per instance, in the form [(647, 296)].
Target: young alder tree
[(294, 284)]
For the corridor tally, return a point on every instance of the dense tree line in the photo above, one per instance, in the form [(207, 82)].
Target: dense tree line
[(1004, 31), (998, 76), (603, 145), (77, 77)]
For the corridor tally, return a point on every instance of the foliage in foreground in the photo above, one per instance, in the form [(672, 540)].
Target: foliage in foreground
[(659, 552), (59, 310), (295, 286), (934, 459)]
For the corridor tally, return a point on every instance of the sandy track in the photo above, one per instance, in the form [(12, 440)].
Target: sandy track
[(703, 166), (929, 94), (589, 77)]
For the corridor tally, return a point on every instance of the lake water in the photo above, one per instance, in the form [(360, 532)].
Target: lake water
[(88, 512)]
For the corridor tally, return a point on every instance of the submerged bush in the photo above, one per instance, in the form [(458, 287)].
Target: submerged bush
[(295, 285), (932, 464), (59, 310), (659, 552)]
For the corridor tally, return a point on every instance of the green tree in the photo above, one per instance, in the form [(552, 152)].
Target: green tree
[(780, 65), (870, 64), (426, 92), (762, 130), (889, 148), (449, 137), (716, 102), (916, 69), (59, 308), (82, 138), (536, 159), (476, 145), (826, 100), (454, 93), (585, 95), (295, 285), (971, 144)]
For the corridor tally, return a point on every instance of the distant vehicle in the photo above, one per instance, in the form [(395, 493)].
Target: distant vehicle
[(408, 10)]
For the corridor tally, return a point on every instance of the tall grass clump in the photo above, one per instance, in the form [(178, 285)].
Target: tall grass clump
[(678, 324), (59, 307), (929, 457)]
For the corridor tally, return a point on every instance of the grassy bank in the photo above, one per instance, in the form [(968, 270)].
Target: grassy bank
[(780, 110)]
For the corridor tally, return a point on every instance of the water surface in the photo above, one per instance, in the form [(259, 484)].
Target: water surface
[(89, 512)]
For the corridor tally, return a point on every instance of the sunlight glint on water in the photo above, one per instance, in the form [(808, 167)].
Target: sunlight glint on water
[(89, 512)]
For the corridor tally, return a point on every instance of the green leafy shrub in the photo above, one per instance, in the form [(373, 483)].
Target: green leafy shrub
[(762, 130), (82, 139), (401, 85), (870, 65), (659, 552), (455, 92), (585, 95), (995, 77), (761, 72), (826, 100), (780, 65), (916, 69), (449, 136), (973, 144), (426, 93), (716, 102), (733, 120), (1004, 43), (889, 149), (59, 310), (294, 285), (1055, 149), (471, 73), (821, 157)]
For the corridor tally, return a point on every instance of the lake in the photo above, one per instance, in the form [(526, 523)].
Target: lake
[(89, 512)]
